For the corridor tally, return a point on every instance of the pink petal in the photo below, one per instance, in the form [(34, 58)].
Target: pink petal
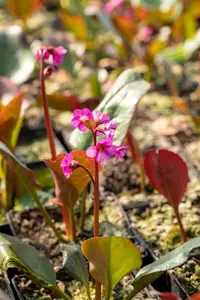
[(67, 172), (91, 151), (75, 121), (102, 156), (67, 160), (77, 112), (113, 4), (82, 127), (61, 50)]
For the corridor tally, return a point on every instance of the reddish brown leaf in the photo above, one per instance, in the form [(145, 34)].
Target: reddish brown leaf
[(125, 27), (167, 173), (23, 9), (169, 296), (63, 101), (9, 116), (195, 296), (25, 175), (67, 190)]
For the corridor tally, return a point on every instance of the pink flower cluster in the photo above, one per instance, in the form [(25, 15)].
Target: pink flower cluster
[(99, 124), (55, 54)]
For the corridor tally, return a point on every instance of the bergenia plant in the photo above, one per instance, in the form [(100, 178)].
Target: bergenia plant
[(102, 130)]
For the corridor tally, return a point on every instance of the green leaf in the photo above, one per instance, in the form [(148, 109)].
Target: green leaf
[(110, 259), (106, 21), (15, 253), (173, 259), (180, 53), (119, 103), (27, 201), (17, 62), (74, 264)]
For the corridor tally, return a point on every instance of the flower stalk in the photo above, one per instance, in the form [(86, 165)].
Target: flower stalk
[(47, 119)]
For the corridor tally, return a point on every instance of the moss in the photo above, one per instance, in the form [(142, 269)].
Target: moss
[(174, 236)]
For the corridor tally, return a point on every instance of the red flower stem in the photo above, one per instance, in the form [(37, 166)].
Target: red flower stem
[(92, 179), (196, 260), (46, 110), (66, 215), (183, 235), (96, 214)]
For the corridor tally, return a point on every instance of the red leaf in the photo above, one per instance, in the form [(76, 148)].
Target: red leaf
[(195, 296), (167, 173), (169, 296)]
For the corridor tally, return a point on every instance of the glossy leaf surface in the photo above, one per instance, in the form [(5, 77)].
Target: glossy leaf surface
[(110, 259), (173, 259), (167, 173), (74, 264), (17, 62), (15, 253), (119, 103)]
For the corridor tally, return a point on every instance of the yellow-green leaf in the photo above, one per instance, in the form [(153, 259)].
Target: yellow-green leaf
[(110, 259), (74, 23)]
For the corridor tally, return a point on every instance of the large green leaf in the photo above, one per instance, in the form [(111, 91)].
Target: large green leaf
[(119, 103), (169, 261), (16, 60), (110, 259), (15, 253)]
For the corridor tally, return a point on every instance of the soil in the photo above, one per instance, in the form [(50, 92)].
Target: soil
[(31, 228), (121, 176)]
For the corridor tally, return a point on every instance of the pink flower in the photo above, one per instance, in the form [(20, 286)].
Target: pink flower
[(100, 118), (102, 151), (112, 5), (107, 129), (120, 151), (56, 54), (68, 165), (83, 119), (42, 52)]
